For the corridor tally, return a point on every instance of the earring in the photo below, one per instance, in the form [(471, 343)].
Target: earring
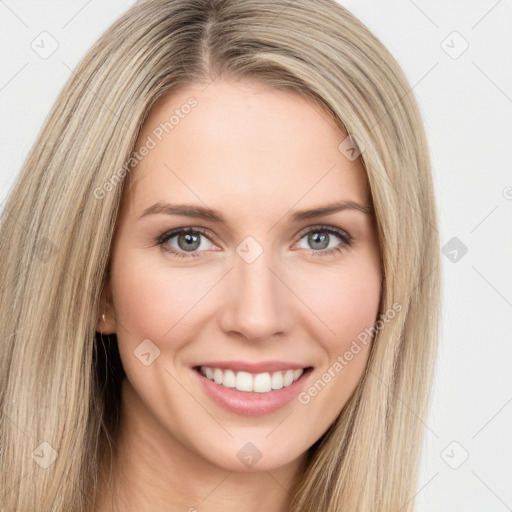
[(103, 317)]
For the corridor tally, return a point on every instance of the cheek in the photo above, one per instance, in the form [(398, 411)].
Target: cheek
[(148, 298), (348, 305), (355, 304), (345, 301)]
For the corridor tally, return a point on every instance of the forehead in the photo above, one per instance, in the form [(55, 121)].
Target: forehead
[(245, 146)]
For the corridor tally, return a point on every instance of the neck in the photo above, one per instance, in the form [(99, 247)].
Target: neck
[(152, 470)]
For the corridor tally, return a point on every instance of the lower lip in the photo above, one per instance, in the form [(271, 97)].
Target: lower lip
[(252, 403)]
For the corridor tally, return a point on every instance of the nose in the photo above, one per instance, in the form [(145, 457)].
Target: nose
[(256, 302)]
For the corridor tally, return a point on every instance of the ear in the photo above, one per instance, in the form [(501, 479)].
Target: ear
[(107, 326)]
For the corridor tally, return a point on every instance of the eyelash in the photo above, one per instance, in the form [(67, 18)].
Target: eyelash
[(346, 240)]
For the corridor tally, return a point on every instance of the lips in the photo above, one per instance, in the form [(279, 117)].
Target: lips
[(255, 402)]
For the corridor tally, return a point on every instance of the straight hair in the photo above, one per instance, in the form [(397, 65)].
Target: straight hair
[(59, 380)]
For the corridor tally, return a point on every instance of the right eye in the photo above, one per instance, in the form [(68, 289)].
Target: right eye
[(187, 240)]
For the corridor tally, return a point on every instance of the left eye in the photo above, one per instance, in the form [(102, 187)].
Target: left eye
[(189, 240), (320, 238)]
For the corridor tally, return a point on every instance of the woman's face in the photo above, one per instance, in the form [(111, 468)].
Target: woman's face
[(268, 290)]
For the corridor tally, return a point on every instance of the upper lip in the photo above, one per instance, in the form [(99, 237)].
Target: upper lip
[(253, 367)]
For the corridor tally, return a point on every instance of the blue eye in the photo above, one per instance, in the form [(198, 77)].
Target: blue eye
[(188, 238), (318, 237), (189, 241)]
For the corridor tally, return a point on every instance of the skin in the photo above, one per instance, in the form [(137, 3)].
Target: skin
[(257, 155)]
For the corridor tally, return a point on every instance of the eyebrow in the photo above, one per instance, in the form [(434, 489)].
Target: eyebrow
[(200, 212)]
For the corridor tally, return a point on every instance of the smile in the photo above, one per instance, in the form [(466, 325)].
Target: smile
[(249, 382)]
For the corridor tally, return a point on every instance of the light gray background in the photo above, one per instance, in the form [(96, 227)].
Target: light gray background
[(466, 99)]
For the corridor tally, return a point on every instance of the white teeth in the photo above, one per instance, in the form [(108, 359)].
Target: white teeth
[(217, 375), (277, 380), (229, 379), (244, 381), (262, 383), (288, 378)]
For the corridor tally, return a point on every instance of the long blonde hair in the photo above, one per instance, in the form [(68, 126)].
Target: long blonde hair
[(58, 378)]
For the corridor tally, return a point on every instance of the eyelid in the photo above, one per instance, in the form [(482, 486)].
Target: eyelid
[(177, 231), (343, 234)]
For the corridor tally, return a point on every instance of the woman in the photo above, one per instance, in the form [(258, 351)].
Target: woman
[(222, 286)]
